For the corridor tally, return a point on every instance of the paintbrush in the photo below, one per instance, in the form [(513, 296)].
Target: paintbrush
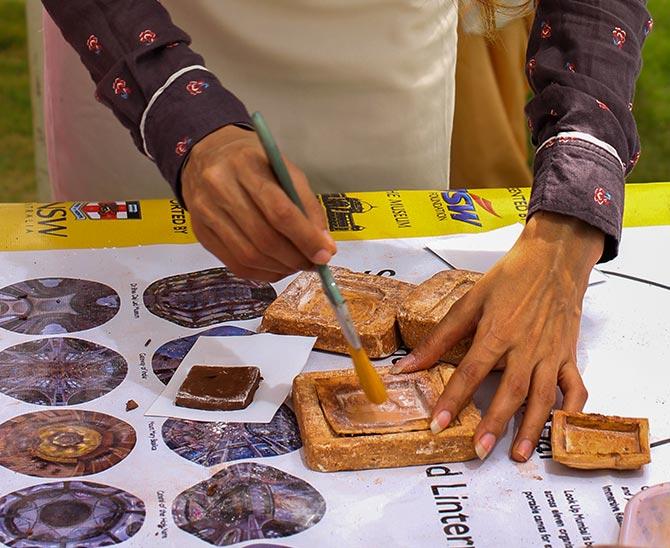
[(369, 378)]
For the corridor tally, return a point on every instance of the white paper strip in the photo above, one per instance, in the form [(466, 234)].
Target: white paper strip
[(479, 252), (280, 358)]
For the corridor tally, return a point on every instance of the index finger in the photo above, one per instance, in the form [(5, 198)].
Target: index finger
[(464, 381), (283, 215), (457, 324)]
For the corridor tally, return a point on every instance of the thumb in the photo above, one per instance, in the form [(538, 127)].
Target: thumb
[(458, 323)]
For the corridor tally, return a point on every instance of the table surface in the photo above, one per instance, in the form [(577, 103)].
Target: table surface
[(77, 468)]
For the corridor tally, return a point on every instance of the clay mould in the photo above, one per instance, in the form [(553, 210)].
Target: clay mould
[(591, 441), (303, 309), (341, 430), (429, 302)]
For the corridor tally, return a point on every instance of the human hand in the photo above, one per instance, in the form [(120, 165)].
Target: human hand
[(241, 214), (524, 315)]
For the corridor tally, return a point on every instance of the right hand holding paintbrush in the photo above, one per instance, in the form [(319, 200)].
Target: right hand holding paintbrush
[(241, 215)]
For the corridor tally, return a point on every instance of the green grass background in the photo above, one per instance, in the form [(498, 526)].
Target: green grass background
[(17, 170), (17, 177)]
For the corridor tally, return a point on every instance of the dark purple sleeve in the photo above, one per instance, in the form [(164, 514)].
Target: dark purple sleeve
[(133, 50), (583, 60)]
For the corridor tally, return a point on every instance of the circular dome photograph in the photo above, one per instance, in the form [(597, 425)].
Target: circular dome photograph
[(210, 443), (64, 443), (248, 501), (69, 514), (60, 371), (207, 297), (51, 306)]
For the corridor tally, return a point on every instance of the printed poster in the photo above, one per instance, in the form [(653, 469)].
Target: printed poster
[(350, 216), (87, 334)]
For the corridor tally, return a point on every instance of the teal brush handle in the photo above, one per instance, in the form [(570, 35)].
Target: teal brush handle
[(281, 173), (329, 285), (278, 166)]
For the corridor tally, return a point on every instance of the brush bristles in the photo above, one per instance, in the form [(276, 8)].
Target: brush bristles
[(370, 380)]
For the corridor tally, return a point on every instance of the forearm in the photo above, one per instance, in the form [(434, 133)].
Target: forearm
[(148, 76), (583, 61)]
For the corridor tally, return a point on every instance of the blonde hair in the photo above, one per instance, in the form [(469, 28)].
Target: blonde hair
[(490, 8)]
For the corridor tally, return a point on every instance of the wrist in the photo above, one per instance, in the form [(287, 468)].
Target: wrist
[(567, 240), (220, 138)]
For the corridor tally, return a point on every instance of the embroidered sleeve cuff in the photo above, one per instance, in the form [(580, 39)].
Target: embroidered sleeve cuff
[(578, 178), (192, 107)]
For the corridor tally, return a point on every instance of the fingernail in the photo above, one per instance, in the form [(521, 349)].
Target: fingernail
[(484, 445), (404, 363), (322, 256), (440, 422), (524, 448)]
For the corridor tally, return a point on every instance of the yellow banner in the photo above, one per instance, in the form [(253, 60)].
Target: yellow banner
[(351, 216)]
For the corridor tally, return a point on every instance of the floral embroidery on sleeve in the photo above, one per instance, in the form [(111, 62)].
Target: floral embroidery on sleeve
[(532, 63), (619, 37), (93, 44), (147, 37), (183, 146), (121, 88), (196, 87), (601, 196)]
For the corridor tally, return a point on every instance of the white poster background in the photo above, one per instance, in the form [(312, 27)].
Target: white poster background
[(480, 251), (623, 352)]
